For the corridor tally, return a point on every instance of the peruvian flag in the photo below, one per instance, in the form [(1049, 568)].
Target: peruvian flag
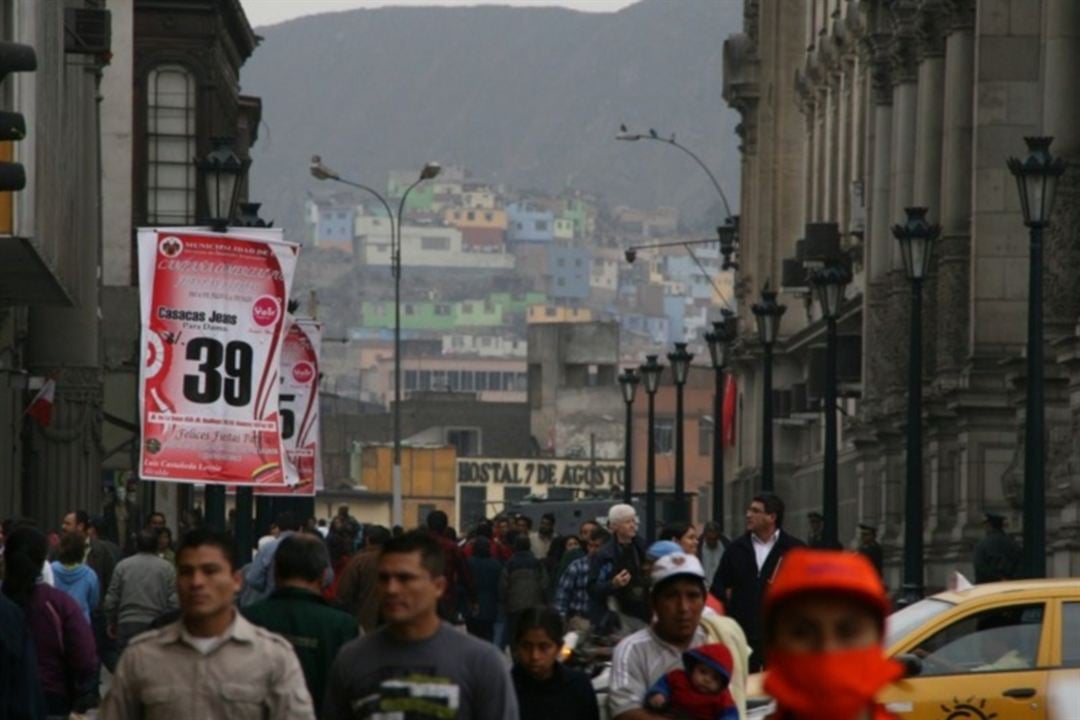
[(41, 406)]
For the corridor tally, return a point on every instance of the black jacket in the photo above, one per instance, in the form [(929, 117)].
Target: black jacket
[(738, 574), (566, 695), (609, 561)]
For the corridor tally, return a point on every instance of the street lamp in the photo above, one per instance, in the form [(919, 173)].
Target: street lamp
[(767, 313), (430, 171), (650, 374), (719, 341), (222, 173), (729, 237), (1036, 179), (830, 283), (680, 370), (628, 382), (916, 237)]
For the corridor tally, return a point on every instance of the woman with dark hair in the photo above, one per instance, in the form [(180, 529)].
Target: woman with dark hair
[(569, 549), (682, 532), (545, 689), (67, 660)]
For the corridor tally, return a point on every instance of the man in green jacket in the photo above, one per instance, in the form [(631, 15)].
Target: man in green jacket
[(297, 611)]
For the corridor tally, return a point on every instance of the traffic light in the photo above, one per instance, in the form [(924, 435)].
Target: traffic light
[(14, 57)]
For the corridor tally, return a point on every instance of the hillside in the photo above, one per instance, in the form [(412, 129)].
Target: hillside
[(526, 97)]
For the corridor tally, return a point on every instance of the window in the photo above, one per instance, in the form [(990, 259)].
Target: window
[(453, 380), (465, 440), (1070, 635), (466, 309), (516, 495), (704, 437), (422, 511), (442, 310), (541, 225), (549, 311), (434, 243), (425, 379), (561, 262), (489, 216), (521, 382), (494, 381), (472, 215), (466, 380), (560, 493), (508, 381), (1004, 638), (561, 282), (438, 380), (170, 146), (481, 380), (577, 262), (473, 504), (410, 379), (664, 435), (408, 309)]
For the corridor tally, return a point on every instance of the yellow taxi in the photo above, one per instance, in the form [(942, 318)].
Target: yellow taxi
[(1001, 651)]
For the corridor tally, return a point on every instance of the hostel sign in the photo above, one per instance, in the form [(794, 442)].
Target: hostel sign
[(541, 473)]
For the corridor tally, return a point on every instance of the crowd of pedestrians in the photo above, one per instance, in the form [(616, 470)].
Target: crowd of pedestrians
[(341, 620)]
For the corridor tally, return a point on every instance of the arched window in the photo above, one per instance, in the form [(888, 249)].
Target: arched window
[(170, 146)]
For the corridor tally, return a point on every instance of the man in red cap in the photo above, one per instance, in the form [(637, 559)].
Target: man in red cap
[(825, 628)]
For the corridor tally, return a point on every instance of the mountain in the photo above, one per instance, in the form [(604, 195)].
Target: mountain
[(528, 97)]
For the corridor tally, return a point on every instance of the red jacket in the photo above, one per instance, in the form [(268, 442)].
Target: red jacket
[(457, 577), (500, 551)]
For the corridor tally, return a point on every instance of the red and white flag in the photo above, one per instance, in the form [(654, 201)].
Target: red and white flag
[(41, 406)]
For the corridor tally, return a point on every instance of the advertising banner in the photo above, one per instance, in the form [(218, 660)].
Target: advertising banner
[(299, 403), (213, 324)]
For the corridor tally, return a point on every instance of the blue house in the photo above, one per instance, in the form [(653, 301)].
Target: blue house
[(335, 226), (529, 223), (569, 268)]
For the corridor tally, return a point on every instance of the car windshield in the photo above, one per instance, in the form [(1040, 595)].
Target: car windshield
[(902, 622)]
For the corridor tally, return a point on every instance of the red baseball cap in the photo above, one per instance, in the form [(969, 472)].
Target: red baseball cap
[(804, 571)]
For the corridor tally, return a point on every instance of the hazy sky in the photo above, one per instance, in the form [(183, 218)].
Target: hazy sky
[(268, 12)]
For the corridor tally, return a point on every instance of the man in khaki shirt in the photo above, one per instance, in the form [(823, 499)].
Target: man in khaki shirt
[(212, 663)]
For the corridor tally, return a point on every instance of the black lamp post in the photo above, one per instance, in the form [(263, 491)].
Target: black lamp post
[(767, 313), (222, 173), (650, 375), (719, 341), (729, 238), (680, 370), (1036, 179), (916, 238), (830, 283), (628, 381)]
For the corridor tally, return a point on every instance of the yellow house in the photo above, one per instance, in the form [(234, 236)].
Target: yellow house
[(564, 229), (558, 314), (485, 218)]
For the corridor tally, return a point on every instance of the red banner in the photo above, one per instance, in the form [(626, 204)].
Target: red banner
[(213, 319), (299, 403)]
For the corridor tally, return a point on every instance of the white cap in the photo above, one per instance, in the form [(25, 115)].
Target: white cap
[(675, 564)]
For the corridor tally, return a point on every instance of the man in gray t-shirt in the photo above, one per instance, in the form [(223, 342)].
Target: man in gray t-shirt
[(415, 666)]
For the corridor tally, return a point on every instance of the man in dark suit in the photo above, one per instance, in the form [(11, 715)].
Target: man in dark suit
[(748, 566)]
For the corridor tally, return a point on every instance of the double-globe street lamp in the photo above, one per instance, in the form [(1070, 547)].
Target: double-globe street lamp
[(222, 172), (428, 172), (650, 373), (719, 341), (1036, 179), (767, 313), (830, 283), (916, 237), (628, 382), (680, 360)]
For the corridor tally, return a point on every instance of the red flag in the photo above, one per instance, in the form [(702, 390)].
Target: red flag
[(41, 406), (730, 391)]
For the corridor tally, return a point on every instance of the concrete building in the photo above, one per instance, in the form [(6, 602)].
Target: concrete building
[(662, 222), (576, 405), (484, 345), (424, 246), (550, 313), (332, 225), (898, 104)]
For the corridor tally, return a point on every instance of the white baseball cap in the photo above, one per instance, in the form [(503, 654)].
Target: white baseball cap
[(675, 564)]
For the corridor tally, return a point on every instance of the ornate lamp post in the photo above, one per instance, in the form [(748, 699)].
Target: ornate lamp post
[(680, 370), (719, 341), (222, 173), (1036, 179), (916, 237), (767, 313), (650, 374), (830, 283), (628, 382)]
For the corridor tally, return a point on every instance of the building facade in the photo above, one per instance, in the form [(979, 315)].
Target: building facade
[(851, 112)]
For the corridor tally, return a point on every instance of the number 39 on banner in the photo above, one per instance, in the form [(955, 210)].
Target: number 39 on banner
[(213, 326)]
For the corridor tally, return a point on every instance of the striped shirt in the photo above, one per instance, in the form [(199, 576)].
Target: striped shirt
[(572, 592)]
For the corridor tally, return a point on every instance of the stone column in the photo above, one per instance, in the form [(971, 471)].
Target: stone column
[(954, 247), (1061, 110)]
